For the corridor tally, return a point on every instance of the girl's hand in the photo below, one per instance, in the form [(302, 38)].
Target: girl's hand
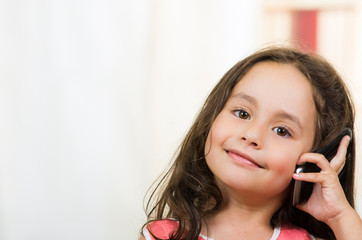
[(328, 202)]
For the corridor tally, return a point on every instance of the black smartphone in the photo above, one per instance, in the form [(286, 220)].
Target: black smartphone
[(303, 190)]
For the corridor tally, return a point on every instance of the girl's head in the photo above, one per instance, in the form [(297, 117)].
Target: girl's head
[(191, 190), (254, 143)]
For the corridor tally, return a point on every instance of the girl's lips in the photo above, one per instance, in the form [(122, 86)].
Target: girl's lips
[(242, 158)]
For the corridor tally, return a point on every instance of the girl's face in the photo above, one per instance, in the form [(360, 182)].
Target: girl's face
[(266, 124)]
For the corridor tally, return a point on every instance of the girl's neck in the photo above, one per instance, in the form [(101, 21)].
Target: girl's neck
[(241, 214), (249, 205), (238, 218), (236, 223)]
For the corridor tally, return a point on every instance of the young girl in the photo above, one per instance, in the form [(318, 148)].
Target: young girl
[(233, 175)]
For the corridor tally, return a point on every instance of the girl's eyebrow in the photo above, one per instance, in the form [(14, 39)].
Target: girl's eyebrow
[(286, 115), (244, 96), (281, 113)]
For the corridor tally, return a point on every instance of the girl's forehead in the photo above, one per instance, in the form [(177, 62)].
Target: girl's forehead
[(275, 86), (268, 73)]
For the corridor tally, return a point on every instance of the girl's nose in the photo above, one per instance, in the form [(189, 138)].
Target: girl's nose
[(253, 136)]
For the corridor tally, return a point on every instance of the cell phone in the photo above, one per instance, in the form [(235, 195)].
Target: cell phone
[(302, 190)]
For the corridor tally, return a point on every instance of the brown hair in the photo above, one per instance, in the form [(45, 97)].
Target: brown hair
[(188, 192)]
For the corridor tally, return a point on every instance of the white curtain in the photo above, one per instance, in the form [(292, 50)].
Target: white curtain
[(73, 130), (95, 96)]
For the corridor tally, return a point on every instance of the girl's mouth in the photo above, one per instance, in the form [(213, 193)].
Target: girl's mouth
[(242, 159)]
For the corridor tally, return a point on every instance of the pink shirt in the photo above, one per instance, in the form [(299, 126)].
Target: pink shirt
[(163, 228)]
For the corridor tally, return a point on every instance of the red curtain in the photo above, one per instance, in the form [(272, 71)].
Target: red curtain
[(304, 29)]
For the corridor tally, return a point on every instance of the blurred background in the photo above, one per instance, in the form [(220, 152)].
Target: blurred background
[(95, 97)]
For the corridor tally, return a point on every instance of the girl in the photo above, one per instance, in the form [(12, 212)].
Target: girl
[(233, 175)]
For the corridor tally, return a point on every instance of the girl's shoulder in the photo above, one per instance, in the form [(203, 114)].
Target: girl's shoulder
[(293, 232), (161, 229), (165, 228)]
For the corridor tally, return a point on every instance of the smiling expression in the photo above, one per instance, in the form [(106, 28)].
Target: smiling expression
[(268, 121)]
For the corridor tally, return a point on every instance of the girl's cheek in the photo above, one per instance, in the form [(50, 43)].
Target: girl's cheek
[(286, 165)]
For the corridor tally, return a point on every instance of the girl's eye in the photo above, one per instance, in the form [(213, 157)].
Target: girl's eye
[(281, 131), (240, 113)]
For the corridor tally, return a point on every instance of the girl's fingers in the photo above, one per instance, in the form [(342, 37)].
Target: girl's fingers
[(339, 160), (313, 177), (317, 159), (339, 170), (336, 164)]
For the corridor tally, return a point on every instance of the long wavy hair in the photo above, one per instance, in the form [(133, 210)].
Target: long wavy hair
[(187, 192)]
